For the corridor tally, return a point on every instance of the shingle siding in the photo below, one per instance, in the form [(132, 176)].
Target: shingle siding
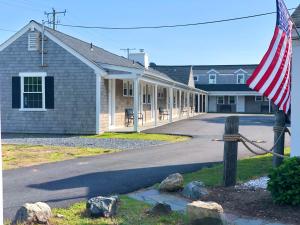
[(74, 90)]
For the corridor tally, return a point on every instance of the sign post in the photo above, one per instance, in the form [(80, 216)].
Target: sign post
[(295, 119)]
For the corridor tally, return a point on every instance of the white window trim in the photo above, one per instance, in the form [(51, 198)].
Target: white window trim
[(128, 84), (33, 74), (223, 97), (237, 78), (196, 76), (215, 80)]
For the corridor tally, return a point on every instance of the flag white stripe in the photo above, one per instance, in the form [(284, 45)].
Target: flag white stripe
[(268, 61), (277, 67)]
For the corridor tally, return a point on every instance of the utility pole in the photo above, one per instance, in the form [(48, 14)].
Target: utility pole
[(53, 14), (128, 51)]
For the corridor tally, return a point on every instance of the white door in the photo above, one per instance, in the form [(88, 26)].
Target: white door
[(240, 104)]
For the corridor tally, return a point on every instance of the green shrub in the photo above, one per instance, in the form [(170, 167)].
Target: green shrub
[(284, 183)]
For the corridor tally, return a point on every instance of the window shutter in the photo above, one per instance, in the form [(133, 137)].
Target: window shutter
[(16, 92), (49, 92)]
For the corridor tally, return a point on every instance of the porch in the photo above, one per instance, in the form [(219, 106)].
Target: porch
[(138, 103)]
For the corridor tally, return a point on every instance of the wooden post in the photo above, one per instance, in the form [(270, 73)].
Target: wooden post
[(230, 152), (279, 148)]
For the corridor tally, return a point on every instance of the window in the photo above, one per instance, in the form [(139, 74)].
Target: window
[(220, 100), (195, 78), (231, 100), (148, 94), (266, 99), (127, 88), (258, 98), (144, 94), (160, 93), (240, 78), (32, 90), (33, 41), (212, 79)]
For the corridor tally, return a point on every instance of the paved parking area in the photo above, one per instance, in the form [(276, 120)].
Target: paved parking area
[(63, 183)]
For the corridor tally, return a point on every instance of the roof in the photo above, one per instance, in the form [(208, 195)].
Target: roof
[(223, 87), (98, 55), (296, 16), (178, 73)]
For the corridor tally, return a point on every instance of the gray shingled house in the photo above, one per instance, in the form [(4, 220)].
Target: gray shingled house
[(225, 85), (54, 83)]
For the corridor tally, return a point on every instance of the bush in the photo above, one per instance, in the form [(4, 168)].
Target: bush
[(284, 183)]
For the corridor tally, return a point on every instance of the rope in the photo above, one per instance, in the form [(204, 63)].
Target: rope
[(240, 138)]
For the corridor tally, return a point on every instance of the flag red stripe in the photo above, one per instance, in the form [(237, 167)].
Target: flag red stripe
[(280, 71)]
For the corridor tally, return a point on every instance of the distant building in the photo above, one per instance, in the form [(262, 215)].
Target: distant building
[(226, 87)]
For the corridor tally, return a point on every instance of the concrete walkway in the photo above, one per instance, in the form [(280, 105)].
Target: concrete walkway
[(63, 183)]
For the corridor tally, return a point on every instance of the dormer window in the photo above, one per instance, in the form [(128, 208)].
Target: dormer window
[(33, 41), (240, 78), (212, 79)]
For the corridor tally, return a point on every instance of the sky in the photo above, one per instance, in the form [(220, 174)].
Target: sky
[(237, 42)]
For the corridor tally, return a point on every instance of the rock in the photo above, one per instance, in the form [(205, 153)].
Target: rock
[(174, 182), (102, 206), (205, 213), (160, 209), (37, 213), (60, 216), (194, 190)]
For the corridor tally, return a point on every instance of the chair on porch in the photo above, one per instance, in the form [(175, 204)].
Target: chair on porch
[(183, 111), (163, 113), (129, 117)]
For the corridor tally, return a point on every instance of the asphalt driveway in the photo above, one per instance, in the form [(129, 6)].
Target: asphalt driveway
[(63, 183)]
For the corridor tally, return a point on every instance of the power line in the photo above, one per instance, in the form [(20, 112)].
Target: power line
[(7, 30), (171, 26)]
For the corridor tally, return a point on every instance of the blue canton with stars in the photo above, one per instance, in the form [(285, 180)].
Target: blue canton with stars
[(283, 17)]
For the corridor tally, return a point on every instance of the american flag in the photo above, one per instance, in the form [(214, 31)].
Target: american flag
[(272, 77)]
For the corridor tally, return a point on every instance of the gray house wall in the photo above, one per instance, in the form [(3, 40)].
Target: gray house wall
[(203, 78), (74, 90)]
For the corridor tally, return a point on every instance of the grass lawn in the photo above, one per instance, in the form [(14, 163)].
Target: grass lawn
[(15, 156), (131, 212), (141, 136), (248, 168)]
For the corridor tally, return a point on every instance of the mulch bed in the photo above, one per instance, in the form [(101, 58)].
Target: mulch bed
[(253, 203)]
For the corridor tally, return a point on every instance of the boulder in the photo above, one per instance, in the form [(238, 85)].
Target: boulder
[(102, 206), (205, 213), (36, 213), (160, 209), (174, 182), (194, 190)]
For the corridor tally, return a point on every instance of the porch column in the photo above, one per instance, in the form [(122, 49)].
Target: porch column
[(111, 102), (155, 105), (206, 103), (199, 102), (136, 104), (188, 103), (171, 104), (167, 98), (98, 103), (202, 110), (180, 104), (269, 106)]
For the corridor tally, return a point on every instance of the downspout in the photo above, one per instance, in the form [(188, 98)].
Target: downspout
[(43, 34)]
